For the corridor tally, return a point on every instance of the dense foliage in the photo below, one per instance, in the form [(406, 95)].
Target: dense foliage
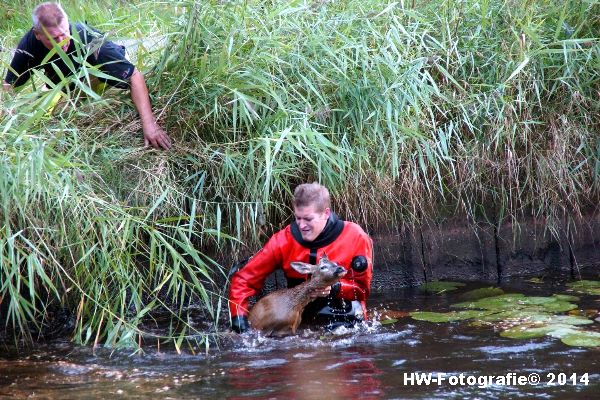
[(407, 110)]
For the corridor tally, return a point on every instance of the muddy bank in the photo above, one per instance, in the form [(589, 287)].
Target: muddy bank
[(458, 249)]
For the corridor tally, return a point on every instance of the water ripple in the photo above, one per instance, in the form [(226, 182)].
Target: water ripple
[(513, 349)]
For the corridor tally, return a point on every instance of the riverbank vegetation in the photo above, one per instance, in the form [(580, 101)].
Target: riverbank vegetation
[(406, 110)]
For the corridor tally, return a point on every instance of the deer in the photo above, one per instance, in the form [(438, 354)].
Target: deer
[(280, 312)]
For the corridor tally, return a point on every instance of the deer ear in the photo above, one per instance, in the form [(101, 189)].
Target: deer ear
[(303, 268)]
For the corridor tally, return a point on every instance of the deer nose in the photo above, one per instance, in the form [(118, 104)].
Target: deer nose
[(340, 271)]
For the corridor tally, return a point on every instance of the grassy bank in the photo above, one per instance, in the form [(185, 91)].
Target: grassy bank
[(406, 110)]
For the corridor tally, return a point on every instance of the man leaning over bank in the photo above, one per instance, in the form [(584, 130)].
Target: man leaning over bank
[(315, 231), (51, 27)]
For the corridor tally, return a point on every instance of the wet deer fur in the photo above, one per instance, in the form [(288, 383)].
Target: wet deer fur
[(280, 312)]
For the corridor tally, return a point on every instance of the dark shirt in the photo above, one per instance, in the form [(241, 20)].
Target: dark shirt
[(108, 56)]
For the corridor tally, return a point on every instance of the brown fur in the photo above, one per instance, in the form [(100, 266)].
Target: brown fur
[(280, 312)]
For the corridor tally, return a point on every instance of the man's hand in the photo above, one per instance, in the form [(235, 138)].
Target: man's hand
[(320, 292), (332, 291), (155, 136)]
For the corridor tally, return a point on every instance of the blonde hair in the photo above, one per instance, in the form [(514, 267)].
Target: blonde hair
[(312, 193), (49, 15)]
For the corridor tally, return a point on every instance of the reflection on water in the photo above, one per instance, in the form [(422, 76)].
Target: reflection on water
[(372, 362)]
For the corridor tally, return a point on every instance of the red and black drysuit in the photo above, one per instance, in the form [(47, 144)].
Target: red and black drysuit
[(344, 242)]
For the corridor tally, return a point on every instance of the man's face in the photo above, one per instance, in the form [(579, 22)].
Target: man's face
[(58, 34), (310, 221)]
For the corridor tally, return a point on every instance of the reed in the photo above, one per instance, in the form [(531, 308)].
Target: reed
[(405, 110)]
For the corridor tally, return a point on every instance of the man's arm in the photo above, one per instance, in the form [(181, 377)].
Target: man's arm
[(153, 134), (249, 280), (112, 60)]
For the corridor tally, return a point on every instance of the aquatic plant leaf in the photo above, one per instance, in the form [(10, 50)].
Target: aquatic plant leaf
[(526, 332), (517, 316), (509, 319), (501, 302), (567, 334), (558, 306), (556, 329), (537, 300), (582, 338), (388, 321), (504, 315), (447, 317), (440, 286), (563, 319), (481, 293), (585, 286), (565, 297), (560, 331), (515, 301), (522, 317)]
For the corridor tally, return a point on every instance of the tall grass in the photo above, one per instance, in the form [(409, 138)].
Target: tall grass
[(76, 241), (447, 102), (408, 111)]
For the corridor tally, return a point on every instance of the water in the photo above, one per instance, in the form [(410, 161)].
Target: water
[(373, 362)]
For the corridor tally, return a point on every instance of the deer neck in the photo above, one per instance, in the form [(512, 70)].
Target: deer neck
[(300, 294)]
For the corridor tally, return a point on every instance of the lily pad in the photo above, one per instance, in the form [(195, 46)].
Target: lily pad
[(563, 320), (440, 286), (582, 338), (512, 316), (516, 301), (586, 287), (563, 330), (526, 331), (538, 300), (481, 293), (565, 297), (522, 317), (557, 306), (501, 302), (541, 325), (447, 317), (388, 321)]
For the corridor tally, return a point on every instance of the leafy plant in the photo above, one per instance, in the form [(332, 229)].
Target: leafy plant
[(586, 287), (522, 317), (406, 112)]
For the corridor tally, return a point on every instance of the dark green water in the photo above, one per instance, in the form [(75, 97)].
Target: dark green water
[(373, 362)]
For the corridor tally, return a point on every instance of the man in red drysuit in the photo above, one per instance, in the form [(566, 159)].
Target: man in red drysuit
[(315, 231)]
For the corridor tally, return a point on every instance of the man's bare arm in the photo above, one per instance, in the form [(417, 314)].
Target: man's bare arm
[(153, 134)]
